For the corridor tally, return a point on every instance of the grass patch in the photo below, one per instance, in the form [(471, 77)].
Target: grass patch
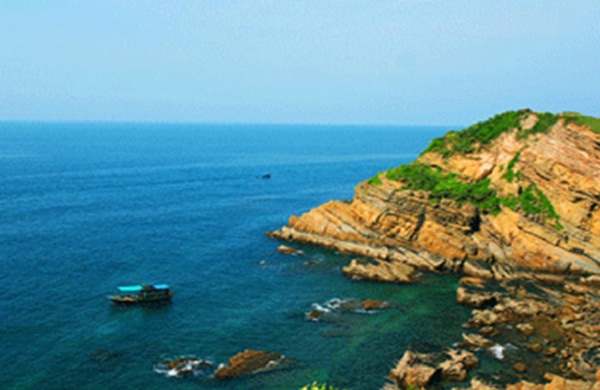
[(510, 174), (482, 133), (375, 181), (545, 121), (582, 120), (471, 139), (531, 201), (418, 176)]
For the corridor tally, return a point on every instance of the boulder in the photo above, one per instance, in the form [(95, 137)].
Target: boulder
[(249, 362), (380, 270), (526, 329), (411, 372), (456, 368), (478, 300), (474, 341), (375, 304), (286, 250)]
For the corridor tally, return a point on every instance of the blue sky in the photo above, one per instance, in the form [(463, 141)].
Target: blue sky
[(448, 62)]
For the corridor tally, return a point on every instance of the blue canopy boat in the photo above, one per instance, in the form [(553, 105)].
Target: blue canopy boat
[(142, 293)]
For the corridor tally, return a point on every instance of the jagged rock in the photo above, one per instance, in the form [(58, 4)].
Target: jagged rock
[(474, 341), (410, 372), (475, 299), (249, 362), (375, 304), (555, 383), (527, 329), (477, 384), (184, 366), (421, 369), (382, 271), (286, 250), (456, 368)]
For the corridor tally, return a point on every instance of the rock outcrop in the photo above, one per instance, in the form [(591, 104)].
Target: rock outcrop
[(423, 369), (547, 183), (249, 362), (512, 203)]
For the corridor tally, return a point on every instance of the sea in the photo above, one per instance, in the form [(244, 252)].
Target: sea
[(87, 207)]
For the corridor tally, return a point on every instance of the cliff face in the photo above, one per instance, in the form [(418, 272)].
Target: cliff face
[(526, 198)]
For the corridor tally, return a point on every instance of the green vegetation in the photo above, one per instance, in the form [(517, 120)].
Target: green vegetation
[(317, 386), (482, 133), (418, 176), (591, 122), (509, 175), (545, 121), (473, 138), (375, 181), (531, 201)]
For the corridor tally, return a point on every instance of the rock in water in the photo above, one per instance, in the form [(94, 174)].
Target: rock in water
[(286, 250), (249, 362), (382, 271)]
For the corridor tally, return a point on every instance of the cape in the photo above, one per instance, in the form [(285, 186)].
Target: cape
[(518, 191)]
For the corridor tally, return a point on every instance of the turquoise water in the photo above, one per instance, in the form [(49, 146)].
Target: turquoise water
[(89, 206)]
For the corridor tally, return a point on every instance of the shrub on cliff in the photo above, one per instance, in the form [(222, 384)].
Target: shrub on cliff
[(482, 133), (417, 176)]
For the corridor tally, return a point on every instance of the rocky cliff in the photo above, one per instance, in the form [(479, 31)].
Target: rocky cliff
[(513, 203), (520, 191)]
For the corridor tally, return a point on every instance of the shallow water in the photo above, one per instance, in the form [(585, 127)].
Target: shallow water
[(90, 206)]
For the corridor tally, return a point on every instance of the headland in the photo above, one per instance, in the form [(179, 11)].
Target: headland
[(513, 204)]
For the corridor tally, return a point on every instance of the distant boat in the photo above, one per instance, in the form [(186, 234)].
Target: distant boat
[(142, 293), (266, 176)]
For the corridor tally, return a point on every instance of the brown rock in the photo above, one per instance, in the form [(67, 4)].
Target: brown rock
[(552, 351), (519, 367), (249, 362), (375, 304), (527, 329), (475, 299), (286, 250), (535, 347), (474, 341), (410, 372), (382, 271), (455, 369)]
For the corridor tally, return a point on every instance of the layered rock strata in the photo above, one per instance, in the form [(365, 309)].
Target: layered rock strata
[(392, 224), (529, 242)]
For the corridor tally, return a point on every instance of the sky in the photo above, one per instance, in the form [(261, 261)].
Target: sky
[(406, 62)]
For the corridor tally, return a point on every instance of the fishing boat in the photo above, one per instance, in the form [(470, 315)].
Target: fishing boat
[(142, 293)]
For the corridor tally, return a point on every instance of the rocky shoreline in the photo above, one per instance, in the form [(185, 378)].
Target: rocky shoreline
[(518, 214)]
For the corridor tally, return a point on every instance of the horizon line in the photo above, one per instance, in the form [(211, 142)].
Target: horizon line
[(219, 123)]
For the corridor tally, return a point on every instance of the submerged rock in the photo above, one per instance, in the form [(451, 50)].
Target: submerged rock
[(249, 362), (286, 250), (184, 366)]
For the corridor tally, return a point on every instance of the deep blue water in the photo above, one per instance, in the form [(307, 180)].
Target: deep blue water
[(86, 207)]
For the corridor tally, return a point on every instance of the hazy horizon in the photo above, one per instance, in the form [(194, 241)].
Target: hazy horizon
[(404, 62)]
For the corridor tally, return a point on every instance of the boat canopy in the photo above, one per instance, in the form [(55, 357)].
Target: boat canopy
[(137, 288)]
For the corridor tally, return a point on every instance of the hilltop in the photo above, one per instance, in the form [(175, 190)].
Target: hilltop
[(513, 204)]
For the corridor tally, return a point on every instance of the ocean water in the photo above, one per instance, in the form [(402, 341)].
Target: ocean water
[(86, 207)]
